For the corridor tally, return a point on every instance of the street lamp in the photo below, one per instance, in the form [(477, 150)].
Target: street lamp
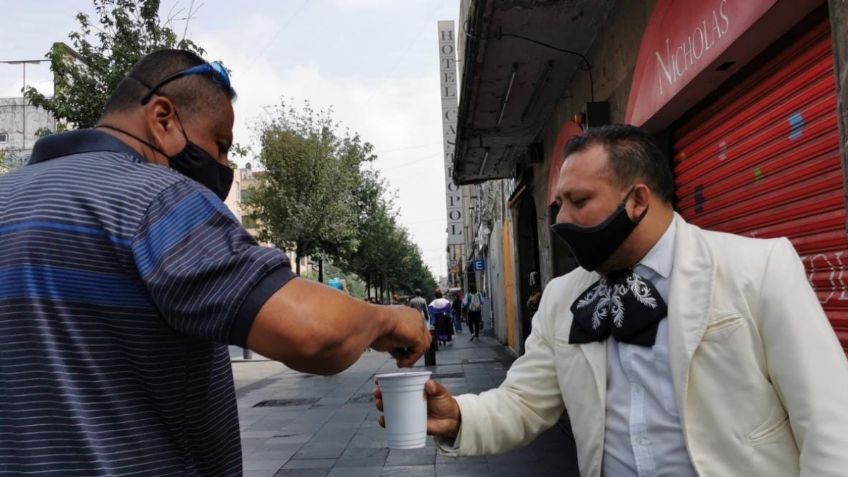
[(23, 64)]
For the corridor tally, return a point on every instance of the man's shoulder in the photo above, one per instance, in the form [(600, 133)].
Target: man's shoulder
[(737, 259), (101, 171), (729, 248)]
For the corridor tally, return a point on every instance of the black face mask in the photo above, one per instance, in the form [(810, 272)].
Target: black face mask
[(592, 246), (195, 163)]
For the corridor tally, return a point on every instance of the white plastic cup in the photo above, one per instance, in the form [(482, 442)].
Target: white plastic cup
[(405, 408)]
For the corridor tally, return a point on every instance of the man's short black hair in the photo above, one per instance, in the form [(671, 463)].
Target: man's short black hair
[(437, 293), (195, 93), (417, 292), (633, 156)]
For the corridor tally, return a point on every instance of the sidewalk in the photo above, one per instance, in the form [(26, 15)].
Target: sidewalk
[(301, 425)]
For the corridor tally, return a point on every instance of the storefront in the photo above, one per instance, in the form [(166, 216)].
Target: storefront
[(755, 152), (741, 93)]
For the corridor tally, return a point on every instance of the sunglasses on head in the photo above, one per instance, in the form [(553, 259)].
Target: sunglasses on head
[(215, 69)]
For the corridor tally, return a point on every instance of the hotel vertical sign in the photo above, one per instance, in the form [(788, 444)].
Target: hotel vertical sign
[(448, 87)]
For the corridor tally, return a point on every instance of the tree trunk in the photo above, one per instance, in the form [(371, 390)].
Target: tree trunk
[(368, 286), (297, 261), (321, 270)]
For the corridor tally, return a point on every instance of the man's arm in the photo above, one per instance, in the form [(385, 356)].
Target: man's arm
[(315, 329), (527, 403), (805, 362)]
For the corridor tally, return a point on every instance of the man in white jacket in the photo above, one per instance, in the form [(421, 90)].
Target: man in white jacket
[(676, 351)]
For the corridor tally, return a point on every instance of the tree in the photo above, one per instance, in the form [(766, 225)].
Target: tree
[(303, 201), (386, 258), (84, 79), (316, 198), (4, 165)]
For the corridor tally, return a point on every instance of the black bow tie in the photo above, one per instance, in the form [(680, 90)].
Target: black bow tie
[(623, 305)]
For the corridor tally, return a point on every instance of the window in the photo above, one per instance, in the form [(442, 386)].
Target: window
[(4, 137), (248, 221), (246, 194)]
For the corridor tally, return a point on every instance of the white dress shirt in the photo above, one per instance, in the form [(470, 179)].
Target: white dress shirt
[(643, 433)]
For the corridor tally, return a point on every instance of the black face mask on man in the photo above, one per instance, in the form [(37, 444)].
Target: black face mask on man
[(193, 162), (592, 246)]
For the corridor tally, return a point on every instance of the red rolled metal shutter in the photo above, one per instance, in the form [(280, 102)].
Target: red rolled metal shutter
[(763, 161)]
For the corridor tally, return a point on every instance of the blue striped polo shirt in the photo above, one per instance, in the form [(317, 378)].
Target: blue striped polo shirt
[(121, 285)]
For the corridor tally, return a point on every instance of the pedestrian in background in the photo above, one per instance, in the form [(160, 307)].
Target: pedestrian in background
[(440, 313), (419, 303), (339, 284), (456, 310), (474, 305)]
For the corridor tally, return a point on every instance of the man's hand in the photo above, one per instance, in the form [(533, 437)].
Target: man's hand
[(443, 416), (407, 338)]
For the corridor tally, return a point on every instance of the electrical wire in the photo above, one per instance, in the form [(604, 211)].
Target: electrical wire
[(501, 35), (561, 50)]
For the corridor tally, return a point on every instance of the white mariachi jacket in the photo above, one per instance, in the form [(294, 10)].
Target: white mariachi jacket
[(759, 376)]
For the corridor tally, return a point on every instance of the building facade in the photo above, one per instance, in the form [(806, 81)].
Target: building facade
[(21, 124), (747, 99)]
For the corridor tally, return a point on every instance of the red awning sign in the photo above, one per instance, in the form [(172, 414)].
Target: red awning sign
[(682, 39), (568, 130)]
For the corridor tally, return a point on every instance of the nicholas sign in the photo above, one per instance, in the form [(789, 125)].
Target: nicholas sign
[(683, 39)]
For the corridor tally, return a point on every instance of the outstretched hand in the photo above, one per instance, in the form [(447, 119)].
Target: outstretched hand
[(443, 416)]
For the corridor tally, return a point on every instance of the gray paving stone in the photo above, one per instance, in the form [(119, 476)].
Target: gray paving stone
[(366, 457), (368, 440), (302, 472), (409, 471), (291, 438), (258, 473), (319, 451), (264, 464), (425, 456), (250, 445), (269, 425), (283, 454), (310, 464), (464, 470), (355, 472), (258, 434)]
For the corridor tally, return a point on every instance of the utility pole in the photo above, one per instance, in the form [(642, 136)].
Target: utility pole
[(23, 64)]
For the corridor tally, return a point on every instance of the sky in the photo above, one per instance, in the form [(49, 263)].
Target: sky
[(375, 62)]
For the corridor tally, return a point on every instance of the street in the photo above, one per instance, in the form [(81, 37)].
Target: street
[(294, 424)]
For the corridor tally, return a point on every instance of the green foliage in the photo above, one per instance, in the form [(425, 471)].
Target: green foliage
[(105, 48), (304, 198), (316, 197), (4, 165)]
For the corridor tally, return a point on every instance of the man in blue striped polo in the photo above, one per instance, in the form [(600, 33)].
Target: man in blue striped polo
[(123, 278)]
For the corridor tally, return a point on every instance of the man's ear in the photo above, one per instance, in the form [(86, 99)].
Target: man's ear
[(641, 199), (163, 125)]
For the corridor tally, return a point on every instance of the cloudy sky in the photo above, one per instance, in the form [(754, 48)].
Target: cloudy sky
[(374, 61)]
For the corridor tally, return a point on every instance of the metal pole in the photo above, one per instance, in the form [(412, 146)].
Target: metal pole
[(23, 104)]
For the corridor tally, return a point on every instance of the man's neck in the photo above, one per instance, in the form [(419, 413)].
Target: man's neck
[(144, 150), (655, 227)]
